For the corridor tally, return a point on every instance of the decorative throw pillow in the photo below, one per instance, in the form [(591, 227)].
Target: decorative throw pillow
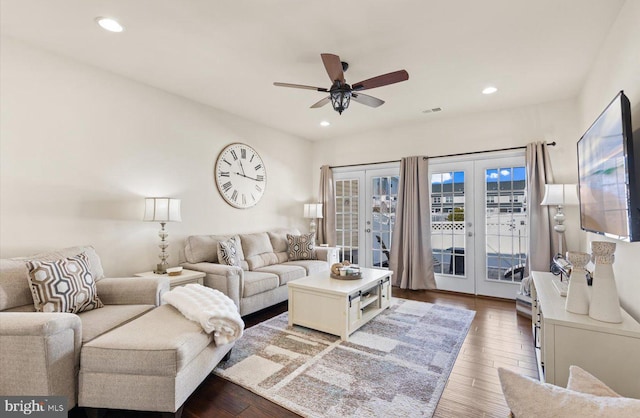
[(302, 247), (527, 397), (228, 252), (583, 381), (64, 285)]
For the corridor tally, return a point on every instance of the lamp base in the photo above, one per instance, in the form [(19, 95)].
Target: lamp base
[(161, 268)]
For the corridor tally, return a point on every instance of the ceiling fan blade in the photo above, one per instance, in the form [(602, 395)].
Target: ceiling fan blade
[(333, 66), (321, 102), (300, 86), (381, 80), (366, 99)]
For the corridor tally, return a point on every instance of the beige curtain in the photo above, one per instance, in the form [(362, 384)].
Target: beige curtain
[(543, 240), (411, 259), (327, 225)]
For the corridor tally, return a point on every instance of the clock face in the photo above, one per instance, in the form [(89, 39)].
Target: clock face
[(240, 175)]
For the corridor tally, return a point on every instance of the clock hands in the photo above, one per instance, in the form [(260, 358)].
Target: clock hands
[(241, 168), (252, 178)]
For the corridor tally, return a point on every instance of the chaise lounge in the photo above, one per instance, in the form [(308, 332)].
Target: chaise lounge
[(133, 353)]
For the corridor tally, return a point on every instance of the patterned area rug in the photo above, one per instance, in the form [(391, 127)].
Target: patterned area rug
[(395, 366)]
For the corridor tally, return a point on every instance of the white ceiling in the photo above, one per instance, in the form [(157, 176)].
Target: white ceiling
[(227, 54)]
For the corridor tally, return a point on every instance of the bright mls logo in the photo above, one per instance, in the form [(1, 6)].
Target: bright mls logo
[(33, 406)]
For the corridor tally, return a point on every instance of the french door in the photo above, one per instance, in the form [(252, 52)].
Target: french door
[(366, 202), (479, 224)]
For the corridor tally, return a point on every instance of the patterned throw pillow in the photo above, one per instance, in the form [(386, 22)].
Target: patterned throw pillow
[(302, 247), (64, 285), (228, 252)]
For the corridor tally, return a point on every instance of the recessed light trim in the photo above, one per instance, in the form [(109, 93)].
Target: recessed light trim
[(324, 123), (109, 24), (489, 90)]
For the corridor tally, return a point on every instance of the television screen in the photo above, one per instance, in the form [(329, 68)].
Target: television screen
[(608, 182)]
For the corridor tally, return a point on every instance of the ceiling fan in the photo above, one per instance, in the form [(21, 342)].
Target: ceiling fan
[(340, 93)]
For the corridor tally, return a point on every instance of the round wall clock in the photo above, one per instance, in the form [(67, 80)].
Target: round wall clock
[(240, 175)]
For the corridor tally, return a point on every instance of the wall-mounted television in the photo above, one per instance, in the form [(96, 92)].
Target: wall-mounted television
[(609, 174)]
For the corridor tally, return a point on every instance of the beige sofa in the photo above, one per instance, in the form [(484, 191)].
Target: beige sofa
[(130, 354), (265, 267)]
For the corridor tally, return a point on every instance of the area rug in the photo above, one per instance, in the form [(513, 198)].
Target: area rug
[(396, 365)]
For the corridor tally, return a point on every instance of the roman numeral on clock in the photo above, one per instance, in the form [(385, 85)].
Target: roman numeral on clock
[(234, 155), (224, 174), (234, 196), (243, 153), (258, 188), (260, 177), (258, 167), (226, 186)]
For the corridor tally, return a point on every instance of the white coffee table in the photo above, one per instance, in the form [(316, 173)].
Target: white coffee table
[(338, 307)]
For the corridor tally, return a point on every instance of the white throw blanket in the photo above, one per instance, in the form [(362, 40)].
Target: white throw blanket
[(212, 309)]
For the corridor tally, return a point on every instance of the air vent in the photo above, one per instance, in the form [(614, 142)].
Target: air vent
[(432, 110)]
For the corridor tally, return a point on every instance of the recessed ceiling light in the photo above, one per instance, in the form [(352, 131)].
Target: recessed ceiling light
[(109, 24), (489, 90), (324, 123)]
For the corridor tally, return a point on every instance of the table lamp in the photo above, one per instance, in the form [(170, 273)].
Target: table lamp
[(163, 210), (313, 211), (560, 195)]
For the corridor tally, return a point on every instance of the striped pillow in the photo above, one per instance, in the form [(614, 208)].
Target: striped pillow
[(64, 285)]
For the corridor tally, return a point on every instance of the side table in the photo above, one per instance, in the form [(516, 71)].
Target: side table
[(186, 277)]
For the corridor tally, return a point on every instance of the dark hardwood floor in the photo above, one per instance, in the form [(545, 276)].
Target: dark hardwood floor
[(497, 338)]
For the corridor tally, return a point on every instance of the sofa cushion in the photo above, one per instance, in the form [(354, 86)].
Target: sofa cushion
[(279, 242), (284, 272), (259, 282), (159, 343), (97, 322), (527, 397), (582, 381), (95, 265), (228, 252), (258, 251), (203, 248), (14, 285), (302, 247), (64, 285), (311, 266)]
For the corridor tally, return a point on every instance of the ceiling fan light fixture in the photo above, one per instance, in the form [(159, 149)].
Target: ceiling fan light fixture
[(340, 99)]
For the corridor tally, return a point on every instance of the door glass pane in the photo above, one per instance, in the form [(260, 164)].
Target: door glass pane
[(384, 198), (347, 219), (447, 222), (506, 223)]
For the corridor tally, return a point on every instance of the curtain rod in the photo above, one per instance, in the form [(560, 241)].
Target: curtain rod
[(551, 144)]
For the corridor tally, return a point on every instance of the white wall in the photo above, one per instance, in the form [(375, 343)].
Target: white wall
[(616, 68), (81, 147), (555, 121)]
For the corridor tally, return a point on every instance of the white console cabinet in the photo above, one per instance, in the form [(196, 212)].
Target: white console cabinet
[(611, 352)]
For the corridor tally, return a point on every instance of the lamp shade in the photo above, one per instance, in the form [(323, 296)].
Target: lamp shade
[(313, 210), (162, 209), (560, 194)]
